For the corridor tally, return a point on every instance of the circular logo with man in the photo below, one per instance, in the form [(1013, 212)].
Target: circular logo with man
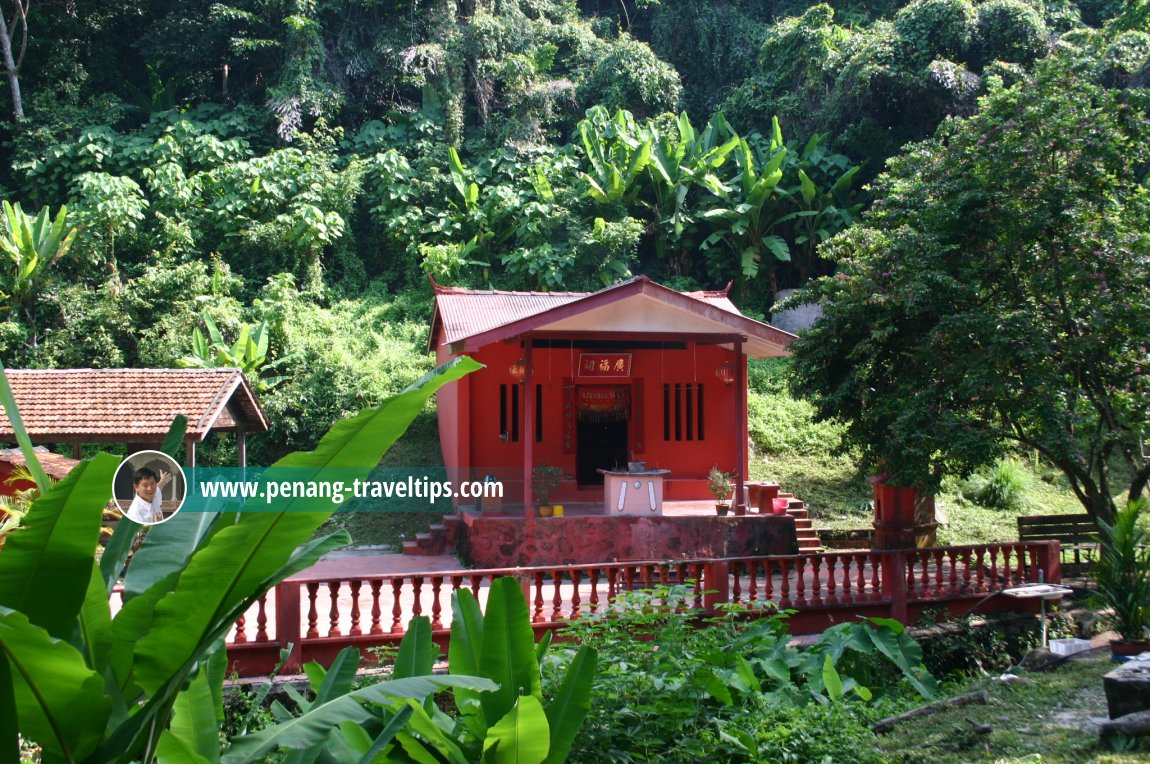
[(149, 487)]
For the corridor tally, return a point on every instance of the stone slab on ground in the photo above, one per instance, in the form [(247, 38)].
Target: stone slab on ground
[(1128, 688)]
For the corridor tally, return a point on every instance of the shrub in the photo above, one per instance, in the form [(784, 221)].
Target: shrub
[(630, 76), (932, 29), (780, 424), (1011, 30), (1003, 485)]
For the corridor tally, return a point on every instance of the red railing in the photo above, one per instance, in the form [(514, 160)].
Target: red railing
[(317, 617)]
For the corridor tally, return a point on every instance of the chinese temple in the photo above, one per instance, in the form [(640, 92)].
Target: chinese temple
[(633, 378), (635, 372)]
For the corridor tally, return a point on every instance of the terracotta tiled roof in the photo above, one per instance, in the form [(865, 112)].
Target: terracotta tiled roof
[(55, 465), (462, 313), (127, 405)]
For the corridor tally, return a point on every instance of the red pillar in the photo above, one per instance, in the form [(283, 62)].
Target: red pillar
[(903, 517), (741, 419), (287, 601), (528, 435)]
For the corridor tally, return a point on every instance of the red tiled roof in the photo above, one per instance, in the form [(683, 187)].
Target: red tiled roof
[(481, 316), (126, 405), (55, 465), (466, 312)]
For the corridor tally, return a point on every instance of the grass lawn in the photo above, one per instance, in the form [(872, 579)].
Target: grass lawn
[(838, 497), (417, 454), (1047, 716)]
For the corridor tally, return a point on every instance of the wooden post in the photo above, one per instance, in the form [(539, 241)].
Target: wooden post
[(241, 447), (288, 624), (189, 453)]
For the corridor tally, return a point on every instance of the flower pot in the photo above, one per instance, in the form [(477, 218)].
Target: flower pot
[(721, 509), (1122, 650), (545, 510)]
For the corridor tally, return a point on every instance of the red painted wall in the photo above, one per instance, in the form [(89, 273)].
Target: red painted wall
[(473, 445), (502, 542)]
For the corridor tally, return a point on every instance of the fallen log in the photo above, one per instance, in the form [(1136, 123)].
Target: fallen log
[(886, 725), (1136, 724)]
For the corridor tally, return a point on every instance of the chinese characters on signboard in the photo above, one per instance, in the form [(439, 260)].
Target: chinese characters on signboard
[(604, 364)]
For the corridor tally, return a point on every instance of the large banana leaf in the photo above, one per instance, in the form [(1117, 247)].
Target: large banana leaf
[(94, 635), (231, 568), (165, 550), (327, 684), (417, 651), (59, 700), (198, 710), (314, 726), (508, 654), (520, 737), (10, 408), (464, 652), (45, 568), (568, 709)]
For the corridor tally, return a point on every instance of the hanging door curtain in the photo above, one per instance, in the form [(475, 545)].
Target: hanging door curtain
[(603, 404)]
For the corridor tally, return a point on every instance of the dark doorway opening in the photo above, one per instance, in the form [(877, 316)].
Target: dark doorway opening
[(601, 441)]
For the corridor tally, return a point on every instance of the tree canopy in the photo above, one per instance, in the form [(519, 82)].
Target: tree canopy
[(998, 292)]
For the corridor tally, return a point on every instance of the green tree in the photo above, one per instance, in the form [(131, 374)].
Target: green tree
[(997, 294), (14, 59)]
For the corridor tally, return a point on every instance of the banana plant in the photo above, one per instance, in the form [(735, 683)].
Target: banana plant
[(750, 206), (823, 198), (31, 246), (512, 723), (249, 352), (340, 723), (142, 685), (617, 150), (680, 162)]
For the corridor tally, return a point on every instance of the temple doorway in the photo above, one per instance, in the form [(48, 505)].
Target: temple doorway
[(602, 414)]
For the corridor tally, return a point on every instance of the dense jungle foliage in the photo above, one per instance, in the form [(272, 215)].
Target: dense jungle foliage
[(304, 165)]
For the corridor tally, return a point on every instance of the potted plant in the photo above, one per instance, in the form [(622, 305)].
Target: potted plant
[(545, 479), (1122, 580), (720, 484)]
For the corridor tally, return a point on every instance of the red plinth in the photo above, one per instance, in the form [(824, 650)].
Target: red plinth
[(903, 518), (502, 542)]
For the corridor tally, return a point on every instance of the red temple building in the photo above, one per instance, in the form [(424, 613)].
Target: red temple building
[(635, 374)]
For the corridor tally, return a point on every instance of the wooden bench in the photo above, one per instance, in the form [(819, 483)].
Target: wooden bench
[(1075, 533)]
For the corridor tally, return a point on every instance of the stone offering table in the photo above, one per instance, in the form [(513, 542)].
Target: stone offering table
[(633, 493)]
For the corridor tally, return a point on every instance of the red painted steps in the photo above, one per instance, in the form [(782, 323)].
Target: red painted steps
[(805, 532), (439, 539)]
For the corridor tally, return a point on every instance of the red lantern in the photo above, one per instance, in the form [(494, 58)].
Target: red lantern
[(518, 370), (726, 372)]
